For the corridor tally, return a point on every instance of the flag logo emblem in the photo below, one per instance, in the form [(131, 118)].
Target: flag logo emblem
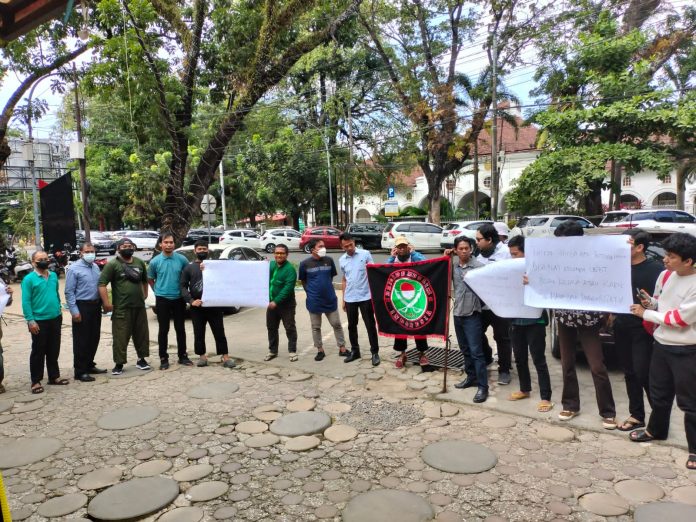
[(410, 298)]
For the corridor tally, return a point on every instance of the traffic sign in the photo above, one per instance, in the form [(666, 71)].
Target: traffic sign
[(390, 192), (208, 217), (208, 204)]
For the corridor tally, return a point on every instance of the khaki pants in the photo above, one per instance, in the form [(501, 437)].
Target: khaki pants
[(127, 323), (334, 321)]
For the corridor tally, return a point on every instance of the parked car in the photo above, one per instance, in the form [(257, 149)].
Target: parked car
[(460, 228), (367, 235), (423, 236), (241, 237), (280, 236), (663, 219), (202, 233), (103, 244), (143, 239), (329, 235), (544, 225)]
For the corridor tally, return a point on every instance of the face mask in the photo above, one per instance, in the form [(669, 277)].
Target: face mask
[(43, 264), (89, 257), (403, 258), (321, 252), (202, 255), (127, 252)]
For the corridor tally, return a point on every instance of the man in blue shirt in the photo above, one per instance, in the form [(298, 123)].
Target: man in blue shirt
[(82, 296), (164, 277), (356, 297), (316, 274)]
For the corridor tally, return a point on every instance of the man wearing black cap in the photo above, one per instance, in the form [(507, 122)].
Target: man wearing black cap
[(128, 278)]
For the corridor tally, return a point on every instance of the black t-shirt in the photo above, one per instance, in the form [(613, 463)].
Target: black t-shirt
[(644, 276)]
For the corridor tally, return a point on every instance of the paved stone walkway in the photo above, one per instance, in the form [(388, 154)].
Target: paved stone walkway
[(203, 440)]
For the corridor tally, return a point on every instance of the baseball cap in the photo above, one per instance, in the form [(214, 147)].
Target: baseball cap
[(401, 240), (123, 241), (501, 228)]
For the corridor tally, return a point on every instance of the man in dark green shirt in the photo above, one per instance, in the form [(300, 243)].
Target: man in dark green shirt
[(282, 303), (41, 308), (128, 278)]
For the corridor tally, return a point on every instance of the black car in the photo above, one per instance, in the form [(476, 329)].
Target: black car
[(202, 233), (367, 235)]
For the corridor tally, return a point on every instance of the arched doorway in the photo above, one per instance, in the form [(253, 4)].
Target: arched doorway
[(465, 208), (363, 216), (629, 201), (665, 200)]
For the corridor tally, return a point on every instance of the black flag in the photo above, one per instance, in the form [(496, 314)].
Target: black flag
[(411, 299)]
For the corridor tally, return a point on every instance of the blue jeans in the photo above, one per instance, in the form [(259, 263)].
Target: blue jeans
[(469, 336)]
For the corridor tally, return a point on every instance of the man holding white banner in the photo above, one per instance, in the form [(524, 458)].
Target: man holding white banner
[(584, 276)]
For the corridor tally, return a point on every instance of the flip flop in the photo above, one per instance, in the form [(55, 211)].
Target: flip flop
[(691, 461), (59, 382), (37, 389), (545, 407), (293, 357), (641, 436), (270, 356), (518, 396), (630, 424)]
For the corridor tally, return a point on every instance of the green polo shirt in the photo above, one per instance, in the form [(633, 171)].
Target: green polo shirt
[(166, 271), (40, 298)]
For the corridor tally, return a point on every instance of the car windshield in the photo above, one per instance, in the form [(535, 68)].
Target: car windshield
[(536, 221), (389, 227), (452, 226), (638, 216), (614, 217)]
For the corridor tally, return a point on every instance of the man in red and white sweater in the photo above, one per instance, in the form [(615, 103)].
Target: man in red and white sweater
[(673, 365)]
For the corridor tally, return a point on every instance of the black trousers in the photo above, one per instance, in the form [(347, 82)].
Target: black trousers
[(634, 347), (673, 373), (501, 334), (400, 345), (168, 309), (368, 315), (531, 339), (86, 336), (284, 312), (200, 316), (45, 349)]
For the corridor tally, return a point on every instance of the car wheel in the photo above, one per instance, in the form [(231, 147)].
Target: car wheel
[(359, 245), (307, 249), (270, 247)]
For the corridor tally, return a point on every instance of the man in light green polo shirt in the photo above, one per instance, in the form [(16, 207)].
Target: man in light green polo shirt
[(164, 276)]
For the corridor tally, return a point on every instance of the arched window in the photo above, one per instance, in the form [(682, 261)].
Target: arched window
[(626, 181), (409, 197)]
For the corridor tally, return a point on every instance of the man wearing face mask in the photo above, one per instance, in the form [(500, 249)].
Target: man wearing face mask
[(316, 275), (192, 292), (82, 296), (128, 278), (41, 308)]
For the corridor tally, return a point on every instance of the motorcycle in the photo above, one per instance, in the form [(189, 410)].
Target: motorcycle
[(10, 270), (58, 258)]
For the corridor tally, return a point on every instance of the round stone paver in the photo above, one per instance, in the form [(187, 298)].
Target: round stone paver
[(555, 433), (301, 404), (302, 443), (61, 506), (6, 405), (340, 433), (623, 448), (387, 504), (685, 494), (14, 453), (134, 498), (152, 468), (298, 377), (261, 441), (458, 456), (213, 390), (499, 421), (671, 511), (251, 427), (100, 478), (191, 473), (336, 408), (182, 514), (639, 491), (301, 423), (604, 504), (207, 491), (268, 371), (128, 417)]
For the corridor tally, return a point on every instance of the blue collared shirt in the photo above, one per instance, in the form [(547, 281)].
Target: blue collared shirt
[(355, 271), (81, 281), (166, 271)]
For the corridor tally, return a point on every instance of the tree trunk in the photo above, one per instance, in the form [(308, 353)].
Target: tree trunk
[(617, 168), (476, 180), (593, 200), (681, 184)]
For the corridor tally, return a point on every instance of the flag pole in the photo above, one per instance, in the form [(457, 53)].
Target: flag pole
[(447, 333)]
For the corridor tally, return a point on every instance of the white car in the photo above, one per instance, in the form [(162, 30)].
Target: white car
[(667, 220), (241, 237), (460, 228), (280, 236), (423, 236), (544, 225), (143, 239)]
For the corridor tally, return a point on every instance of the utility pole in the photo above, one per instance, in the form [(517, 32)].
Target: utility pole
[(222, 197), (328, 167), (29, 156), (352, 162), (81, 160), (494, 133)]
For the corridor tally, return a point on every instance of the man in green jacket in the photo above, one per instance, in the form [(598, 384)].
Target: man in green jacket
[(282, 303), (41, 308)]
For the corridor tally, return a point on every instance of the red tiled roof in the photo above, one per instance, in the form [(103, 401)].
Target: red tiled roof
[(509, 139)]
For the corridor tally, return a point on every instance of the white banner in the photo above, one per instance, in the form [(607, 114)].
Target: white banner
[(4, 297), (500, 286), (235, 283), (579, 273)]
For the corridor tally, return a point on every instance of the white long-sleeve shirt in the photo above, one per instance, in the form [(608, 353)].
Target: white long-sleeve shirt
[(675, 312)]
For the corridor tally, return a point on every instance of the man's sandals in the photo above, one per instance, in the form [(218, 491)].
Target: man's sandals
[(59, 382), (37, 388), (630, 424), (644, 436)]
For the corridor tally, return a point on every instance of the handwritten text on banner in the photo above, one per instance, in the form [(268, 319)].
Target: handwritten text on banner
[(235, 283)]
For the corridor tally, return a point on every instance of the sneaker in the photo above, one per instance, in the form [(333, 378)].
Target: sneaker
[(186, 361), (566, 415), (142, 365), (504, 378), (609, 423), (319, 356), (202, 362), (118, 370), (164, 364)]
